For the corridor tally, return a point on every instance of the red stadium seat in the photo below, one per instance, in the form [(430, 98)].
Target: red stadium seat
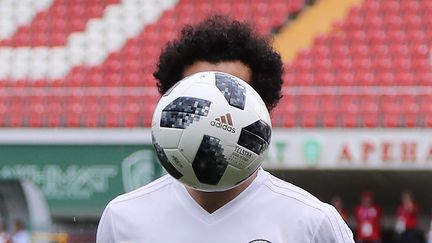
[(427, 119), (350, 120), (391, 6), (370, 119), (391, 120), (409, 6), (309, 119), (393, 22)]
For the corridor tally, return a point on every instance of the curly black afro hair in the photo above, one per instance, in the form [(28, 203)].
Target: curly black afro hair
[(218, 39)]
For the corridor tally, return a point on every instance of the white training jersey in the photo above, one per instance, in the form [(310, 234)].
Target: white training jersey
[(269, 210)]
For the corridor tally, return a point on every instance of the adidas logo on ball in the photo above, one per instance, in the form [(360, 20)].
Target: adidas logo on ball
[(224, 122)]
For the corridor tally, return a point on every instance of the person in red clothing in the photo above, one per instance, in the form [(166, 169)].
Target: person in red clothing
[(368, 218), (406, 222), (407, 213)]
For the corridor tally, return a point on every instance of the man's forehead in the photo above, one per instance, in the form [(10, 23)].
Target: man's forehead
[(236, 68)]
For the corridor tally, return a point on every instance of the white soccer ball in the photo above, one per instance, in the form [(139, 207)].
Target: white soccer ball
[(211, 131)]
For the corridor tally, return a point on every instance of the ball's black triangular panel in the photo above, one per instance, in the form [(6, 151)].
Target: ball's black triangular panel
[(233, 91), (189, 105), (183, 111), (255, 137), (174, 119), (209, 164), (261, 129), (252, 142)]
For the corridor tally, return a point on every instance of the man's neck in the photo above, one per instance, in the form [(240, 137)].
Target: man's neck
[(212, 201)]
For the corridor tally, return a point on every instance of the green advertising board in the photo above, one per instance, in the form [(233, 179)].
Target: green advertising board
[(79, 180)]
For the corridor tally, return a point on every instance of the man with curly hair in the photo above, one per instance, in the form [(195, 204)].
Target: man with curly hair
[(260, 209)]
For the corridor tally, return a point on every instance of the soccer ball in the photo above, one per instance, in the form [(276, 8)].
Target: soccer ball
[(211, 131)]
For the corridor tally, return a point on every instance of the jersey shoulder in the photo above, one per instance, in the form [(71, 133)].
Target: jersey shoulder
[(154, 188), (294, 196), (322, 218), (293, 192)]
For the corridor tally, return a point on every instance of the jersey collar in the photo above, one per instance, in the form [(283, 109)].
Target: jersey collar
[(195, 210)]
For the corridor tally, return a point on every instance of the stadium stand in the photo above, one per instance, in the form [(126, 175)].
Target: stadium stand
[(93, 68), (376, 62), (70, 16)]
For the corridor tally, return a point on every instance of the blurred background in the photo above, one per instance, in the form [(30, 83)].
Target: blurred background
[(77, 96)]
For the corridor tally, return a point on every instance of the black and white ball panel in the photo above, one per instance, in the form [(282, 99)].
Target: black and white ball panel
[(173, 134), (190, 105), (210, 162), (233, 91), (248, 167), (165, 162), (183, 111), (255, 137), (261, 129), (183, 165)]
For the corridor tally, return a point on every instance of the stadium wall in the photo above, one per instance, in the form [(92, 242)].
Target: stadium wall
[(80, 170)]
